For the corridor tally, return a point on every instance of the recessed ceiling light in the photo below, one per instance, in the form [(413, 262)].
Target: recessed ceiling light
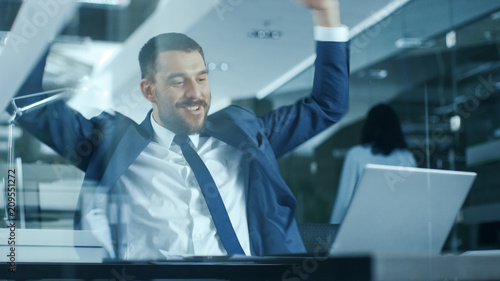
[(264, 34), (212, 66), (216, 66)]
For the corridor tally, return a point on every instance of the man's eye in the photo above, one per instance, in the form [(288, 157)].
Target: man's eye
[(177, 82), (202, 78)]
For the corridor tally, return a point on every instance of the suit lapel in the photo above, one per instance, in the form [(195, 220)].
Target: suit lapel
[(136, 138), (228, 132), (132, 143)]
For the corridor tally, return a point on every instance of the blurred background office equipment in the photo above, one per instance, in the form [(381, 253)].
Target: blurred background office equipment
[(49, 202), (436, 62)]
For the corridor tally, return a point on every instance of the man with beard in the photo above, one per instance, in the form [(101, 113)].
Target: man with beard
[(155, 183)]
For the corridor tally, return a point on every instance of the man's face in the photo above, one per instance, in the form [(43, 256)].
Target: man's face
[(181, 92)]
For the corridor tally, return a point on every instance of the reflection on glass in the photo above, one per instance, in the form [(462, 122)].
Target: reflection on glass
[(455, 127)]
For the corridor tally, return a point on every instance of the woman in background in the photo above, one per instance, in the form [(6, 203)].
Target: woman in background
[(382, 142)]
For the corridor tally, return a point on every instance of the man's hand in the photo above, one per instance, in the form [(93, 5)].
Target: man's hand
[(326, 12), (320, 4)]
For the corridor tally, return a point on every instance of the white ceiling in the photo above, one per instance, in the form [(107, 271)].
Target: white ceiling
[(109, 72), (256, 66)]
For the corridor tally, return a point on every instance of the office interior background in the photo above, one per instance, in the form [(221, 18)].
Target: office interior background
[(437, 62)]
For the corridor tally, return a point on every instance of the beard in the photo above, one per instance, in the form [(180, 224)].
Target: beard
[(173, 120)]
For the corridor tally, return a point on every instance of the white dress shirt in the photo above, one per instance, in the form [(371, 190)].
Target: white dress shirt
[(163, 212)]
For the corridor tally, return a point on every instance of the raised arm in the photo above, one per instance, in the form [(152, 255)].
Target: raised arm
[(289, 126), (325, 12), (56, 124)]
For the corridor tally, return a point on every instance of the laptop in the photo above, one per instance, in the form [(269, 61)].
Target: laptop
[(400, 210)]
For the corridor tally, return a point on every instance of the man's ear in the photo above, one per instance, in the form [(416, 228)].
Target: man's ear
[(148, 90)]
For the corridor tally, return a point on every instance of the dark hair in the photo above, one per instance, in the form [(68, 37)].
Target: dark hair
[(382, 130), (164, 42)]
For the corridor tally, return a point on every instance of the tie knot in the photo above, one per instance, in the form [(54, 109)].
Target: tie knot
[(181, 139)]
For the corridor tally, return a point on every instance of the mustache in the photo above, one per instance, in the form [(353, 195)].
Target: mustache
[(191, 102)]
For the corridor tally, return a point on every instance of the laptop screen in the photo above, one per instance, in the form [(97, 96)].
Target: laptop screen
[(402, 210)]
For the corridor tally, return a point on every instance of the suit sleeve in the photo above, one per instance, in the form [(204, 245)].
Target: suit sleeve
[(288, 127)]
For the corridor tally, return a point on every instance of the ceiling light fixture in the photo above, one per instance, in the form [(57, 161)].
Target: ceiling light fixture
[(224, 66), (119, 3), (264, 34), (451, 39), (373, 74), (410, 43), (455, 123), (211, 66), (216, 66)]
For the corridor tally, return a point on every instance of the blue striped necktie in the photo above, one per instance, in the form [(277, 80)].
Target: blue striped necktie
[(212, 197)]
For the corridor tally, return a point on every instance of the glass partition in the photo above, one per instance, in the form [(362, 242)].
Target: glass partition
[(442, 81), (438, 69)]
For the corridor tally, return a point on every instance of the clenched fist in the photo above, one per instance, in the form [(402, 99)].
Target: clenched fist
[(326, 12), (320, 4)]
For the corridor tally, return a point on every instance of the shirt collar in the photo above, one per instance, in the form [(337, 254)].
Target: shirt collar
[(165, 137)]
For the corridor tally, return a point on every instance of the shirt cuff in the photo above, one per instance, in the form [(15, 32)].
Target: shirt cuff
[(335, 34)]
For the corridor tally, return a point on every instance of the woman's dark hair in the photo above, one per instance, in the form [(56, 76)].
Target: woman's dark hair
[(164, 42), (382, 130)]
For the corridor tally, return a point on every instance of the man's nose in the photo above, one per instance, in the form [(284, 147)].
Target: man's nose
[(194, 90)]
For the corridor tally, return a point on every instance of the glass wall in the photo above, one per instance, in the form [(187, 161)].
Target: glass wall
[(439, 69), (436, 63)]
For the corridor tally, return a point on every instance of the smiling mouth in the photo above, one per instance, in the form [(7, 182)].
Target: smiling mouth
[(192, 108)]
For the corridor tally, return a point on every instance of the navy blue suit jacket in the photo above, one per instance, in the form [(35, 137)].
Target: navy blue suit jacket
[(106, 145)]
